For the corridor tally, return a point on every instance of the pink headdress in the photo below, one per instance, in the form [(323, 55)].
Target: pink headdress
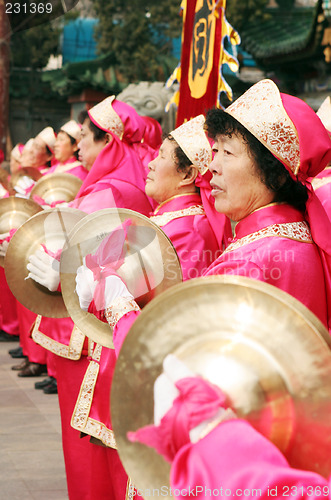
[(121, 158), (123, 122)]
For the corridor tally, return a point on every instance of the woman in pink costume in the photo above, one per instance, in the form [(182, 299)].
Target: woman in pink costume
[(111, 133), (233, 455), (186, 214), (66, 151)]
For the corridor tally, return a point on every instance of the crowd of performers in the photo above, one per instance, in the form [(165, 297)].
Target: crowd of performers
[(262, 163)]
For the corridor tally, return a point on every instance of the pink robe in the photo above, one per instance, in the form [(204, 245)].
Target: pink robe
[(72, 166), (189, 230), (274, 245), (8, 307)]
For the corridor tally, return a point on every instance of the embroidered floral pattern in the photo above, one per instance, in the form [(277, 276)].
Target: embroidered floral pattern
[(192, 139), (163, 219), (105, 117), (80, 419), (317, 183), (72, 351), (298, 231), (101, 432), (84, 401), (261, 111), (118, 308), (130, 493)]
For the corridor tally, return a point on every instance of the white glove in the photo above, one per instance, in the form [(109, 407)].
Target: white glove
[(85, 288), (165, 392), (23, 184), (4, 245), (44, 269)]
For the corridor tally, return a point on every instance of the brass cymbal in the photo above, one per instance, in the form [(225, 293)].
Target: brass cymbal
[(31, 172), (4, 180), (14, 212), (50, 227), (56, 187), (150, 266), (268, 353)]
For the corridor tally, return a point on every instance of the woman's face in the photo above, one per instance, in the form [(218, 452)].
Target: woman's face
[(64, 149), (88, 147), (163, 180), (236, 185)]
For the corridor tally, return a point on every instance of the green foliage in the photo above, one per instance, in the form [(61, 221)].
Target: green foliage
[(138, 33), (31, 48)]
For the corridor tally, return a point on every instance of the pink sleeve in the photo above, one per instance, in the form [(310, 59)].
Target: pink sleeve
[(238, 268), (121, 329), (236, 461), (100, 196), (195, 244)]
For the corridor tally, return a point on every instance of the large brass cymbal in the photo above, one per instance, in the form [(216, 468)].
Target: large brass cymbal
[(263, 348), (14, 212), (50, 227), (56, 187), (151, 263)]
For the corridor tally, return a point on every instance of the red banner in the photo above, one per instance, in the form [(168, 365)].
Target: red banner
[(200, 58)]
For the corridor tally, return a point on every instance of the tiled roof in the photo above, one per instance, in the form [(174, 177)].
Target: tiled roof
[(287, 34)]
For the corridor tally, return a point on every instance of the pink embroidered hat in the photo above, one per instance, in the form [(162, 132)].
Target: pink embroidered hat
[(105, 117), (49, 137), (120, 119), (72, 128), (285, 125), (192, 139)]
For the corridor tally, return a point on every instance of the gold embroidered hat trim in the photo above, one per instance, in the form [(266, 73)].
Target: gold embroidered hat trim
[(192, 139), (260, 110), (105, 117)]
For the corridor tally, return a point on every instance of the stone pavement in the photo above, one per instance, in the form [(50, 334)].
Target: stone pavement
[(31, 459)]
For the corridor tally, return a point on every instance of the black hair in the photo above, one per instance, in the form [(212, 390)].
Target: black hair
[(181, 159), (271, 171), (98, 134)]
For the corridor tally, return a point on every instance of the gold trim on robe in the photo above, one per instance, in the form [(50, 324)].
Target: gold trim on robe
[(298, 231), (72, 351), (118, 308), (80, 419), (163, 219)]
